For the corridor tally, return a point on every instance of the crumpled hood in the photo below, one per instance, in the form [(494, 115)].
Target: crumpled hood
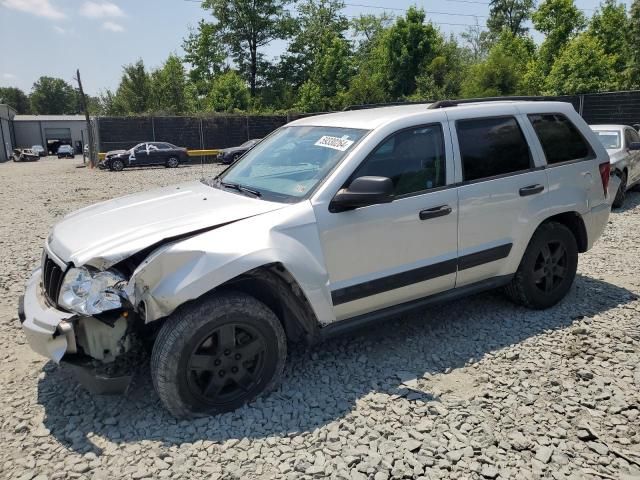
[(106, 233)]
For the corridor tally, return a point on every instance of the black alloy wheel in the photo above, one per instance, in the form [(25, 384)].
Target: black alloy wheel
[(227, 364), (550, 267)]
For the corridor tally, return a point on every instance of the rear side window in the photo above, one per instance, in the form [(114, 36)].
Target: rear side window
[(560, 139), (491, 147)]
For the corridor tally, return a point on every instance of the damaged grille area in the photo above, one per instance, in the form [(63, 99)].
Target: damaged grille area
[(52, 276)]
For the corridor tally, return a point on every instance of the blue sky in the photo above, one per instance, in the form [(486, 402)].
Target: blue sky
[(54, 37)]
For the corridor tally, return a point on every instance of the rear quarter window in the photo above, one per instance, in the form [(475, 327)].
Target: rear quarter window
[(560, 139)]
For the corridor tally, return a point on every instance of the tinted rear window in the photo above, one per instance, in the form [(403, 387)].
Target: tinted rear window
[(561, 141), (491, 147)]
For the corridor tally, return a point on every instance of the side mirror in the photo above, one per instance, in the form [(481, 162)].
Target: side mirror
[(634, 146), (362, 192)]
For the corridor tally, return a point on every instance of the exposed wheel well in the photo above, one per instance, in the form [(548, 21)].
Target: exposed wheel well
[(274, 286), (573, 221)]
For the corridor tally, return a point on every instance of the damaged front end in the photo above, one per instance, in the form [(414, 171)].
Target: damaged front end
[(91, 328)]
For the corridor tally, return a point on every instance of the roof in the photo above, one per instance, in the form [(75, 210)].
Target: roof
[(608, 127), (49, 118), (371, 118)]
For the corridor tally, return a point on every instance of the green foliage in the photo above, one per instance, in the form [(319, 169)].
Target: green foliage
[(559, 21), (633, 40), (16, 98), (134, 93), (53, 96), (405, 49), (228, 93), (168, 87), (509, 14), (246, 26), (607, 26), (206, 53), (583, 66), (501, 73)]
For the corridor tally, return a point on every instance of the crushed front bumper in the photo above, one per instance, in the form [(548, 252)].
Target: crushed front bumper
[(49, 331)]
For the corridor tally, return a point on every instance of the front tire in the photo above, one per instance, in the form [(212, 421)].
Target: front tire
[(217, 354), (117, 165), (547, 269), (621, 194)]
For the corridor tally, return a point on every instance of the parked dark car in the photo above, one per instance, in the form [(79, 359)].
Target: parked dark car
[(39, 149), (231, 154), (66, 151), (148, 153), (24, 155)]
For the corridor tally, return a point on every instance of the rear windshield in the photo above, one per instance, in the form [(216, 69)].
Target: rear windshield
[(610, 139)]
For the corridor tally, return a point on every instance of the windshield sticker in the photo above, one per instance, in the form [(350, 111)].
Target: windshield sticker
[(334, 142)]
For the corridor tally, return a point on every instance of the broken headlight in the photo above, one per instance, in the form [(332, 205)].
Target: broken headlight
[(89, 293)]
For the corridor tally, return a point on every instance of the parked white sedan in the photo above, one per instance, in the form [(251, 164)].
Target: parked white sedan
[(623, 146)]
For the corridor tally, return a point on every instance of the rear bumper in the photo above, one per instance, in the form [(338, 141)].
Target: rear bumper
[(49, 331)]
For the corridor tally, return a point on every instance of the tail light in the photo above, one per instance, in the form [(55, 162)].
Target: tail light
[(605, 174)]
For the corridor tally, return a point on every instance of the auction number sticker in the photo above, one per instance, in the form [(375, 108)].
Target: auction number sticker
[(334, 142)]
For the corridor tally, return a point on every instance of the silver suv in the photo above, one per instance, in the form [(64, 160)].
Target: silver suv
[(330, 223)]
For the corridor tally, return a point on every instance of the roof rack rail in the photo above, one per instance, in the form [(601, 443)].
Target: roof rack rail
[(366, 106), (462, 101)]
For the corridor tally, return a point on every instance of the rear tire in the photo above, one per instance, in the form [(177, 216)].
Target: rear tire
[(217, 354), (621, 194), (173, 162), (547, 269), (117, 165)]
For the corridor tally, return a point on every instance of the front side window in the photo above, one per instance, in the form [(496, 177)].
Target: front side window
[(560, 139), (290, 163), (610, 139), (414, 160), (631, 136), (490, 147)]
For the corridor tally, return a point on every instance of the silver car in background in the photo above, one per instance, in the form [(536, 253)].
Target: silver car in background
[(623, 146)]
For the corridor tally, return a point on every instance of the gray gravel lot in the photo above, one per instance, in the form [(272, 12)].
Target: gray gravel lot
[(477, 389)]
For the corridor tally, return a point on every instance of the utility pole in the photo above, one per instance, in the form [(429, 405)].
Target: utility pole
[(83, 105)]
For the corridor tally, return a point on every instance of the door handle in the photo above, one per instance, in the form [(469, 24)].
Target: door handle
[(435, 212), (531, 190)]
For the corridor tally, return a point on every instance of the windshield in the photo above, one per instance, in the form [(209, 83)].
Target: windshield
[(291, 162), (610, 139)]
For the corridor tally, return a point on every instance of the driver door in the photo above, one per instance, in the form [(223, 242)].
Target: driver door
[(387, 254), (140, 156)]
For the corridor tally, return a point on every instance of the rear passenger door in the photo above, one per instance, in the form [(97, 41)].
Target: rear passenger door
[(502, 189)]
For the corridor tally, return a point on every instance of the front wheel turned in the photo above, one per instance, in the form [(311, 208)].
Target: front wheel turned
[(547, 269), (215, 355)]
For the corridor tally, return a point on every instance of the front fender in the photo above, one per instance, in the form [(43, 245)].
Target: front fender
[(187, 269)]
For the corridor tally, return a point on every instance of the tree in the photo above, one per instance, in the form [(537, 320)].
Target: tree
[(206, 53), (501, 73), (407, 47), (168, 87), (228, 93), (53, 96), (559, 20), (443, 77), (16, 98), (248, 25), (509, 14), (633, 39), (329, 79), (317, 21), (582, 67), (134, 92), (606, 26), (477, 41)]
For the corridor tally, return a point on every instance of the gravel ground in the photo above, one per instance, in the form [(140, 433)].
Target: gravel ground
[(482, 389)]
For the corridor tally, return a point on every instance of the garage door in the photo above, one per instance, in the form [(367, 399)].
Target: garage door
[(57, 133)]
